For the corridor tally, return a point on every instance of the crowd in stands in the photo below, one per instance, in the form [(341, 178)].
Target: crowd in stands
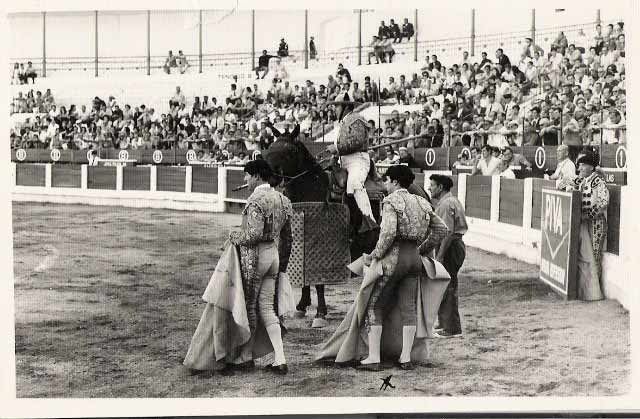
[(573, 95), (394, 32), (21, 75), (179, 62)]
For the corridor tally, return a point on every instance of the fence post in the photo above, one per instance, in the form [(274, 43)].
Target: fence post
[(148, 42), (44, 44), (95, 26), (473, 32), (253, 39), (306, 39), (359, 36), (415, 34), (200, 41), (415, 39), (533, 26), (598, 21)]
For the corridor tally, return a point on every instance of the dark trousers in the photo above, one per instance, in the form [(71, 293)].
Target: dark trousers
[(448, 315)]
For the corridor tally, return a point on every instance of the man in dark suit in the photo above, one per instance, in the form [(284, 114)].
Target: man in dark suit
[(394, 30), (407, 30), (503, 60), (383, 31)]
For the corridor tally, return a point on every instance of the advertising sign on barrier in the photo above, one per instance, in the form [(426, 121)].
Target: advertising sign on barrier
[(560, 226)]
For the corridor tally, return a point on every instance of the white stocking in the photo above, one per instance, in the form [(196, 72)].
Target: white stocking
[(408, 334), (375, 335)]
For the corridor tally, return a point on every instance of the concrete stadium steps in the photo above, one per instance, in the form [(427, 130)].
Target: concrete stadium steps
[(156, 90)]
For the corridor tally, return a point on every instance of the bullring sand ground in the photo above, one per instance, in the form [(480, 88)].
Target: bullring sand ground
[(107, 299)]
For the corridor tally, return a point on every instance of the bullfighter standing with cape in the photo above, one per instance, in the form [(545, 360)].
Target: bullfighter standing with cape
[(248, 294), (402, 287)]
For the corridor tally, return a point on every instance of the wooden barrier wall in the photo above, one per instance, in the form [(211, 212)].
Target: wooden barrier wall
[(206, 180), (511, 201), (478, 197)]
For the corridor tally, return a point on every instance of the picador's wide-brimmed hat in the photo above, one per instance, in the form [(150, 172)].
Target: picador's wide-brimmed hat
[(589, 158)]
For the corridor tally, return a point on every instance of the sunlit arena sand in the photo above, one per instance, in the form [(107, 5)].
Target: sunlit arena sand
[(107, 299)]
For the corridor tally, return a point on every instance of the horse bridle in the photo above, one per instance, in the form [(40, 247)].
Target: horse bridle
[(291, 179)]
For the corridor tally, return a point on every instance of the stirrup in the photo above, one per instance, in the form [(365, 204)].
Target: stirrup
[(299, 314)]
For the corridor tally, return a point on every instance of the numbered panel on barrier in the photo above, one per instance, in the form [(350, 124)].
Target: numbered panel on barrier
[(560, 227)]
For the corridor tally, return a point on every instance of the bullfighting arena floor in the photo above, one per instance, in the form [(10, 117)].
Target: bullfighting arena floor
[(107, 299)]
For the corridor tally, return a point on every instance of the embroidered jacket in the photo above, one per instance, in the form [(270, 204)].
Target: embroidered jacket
[(595, 196), (353, 136), (265, 218), (406, 217)]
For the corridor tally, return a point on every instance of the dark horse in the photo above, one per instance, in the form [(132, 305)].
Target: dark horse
[(306, 180)]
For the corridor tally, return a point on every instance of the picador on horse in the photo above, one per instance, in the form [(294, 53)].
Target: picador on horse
[(353, 182)]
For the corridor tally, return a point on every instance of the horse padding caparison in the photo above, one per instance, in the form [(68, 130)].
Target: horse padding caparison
[(320, 249)]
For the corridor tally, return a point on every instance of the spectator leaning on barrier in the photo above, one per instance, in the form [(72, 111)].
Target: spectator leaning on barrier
[(504, 170), (487, 164)]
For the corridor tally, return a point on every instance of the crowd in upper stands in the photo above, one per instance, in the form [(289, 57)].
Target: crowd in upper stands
[(574, 94)]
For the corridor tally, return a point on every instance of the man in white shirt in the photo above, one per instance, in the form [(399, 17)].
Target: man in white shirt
[(504, 170), (178, 98), (614, 128), (487, 165), (565, 169)]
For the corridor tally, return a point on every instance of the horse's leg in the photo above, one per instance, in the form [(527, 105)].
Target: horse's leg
[(305, 301), (321, 312)]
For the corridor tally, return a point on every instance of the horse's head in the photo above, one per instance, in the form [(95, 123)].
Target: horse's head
[(289, 159)]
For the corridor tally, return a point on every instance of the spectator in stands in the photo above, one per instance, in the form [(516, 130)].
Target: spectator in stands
[(530, 48), (391, 156), (387, 50), (178, 98), (614, 128), (503, 59), (407, 30), (485, 60), (29, 73), (342, 74), (394, 31), (183, 63), (283, 49), (504, 170), (263, 64), (383, 31), (565, 168), (405, 157), (376, 50), (560, 43), (487, 165), (515, 159), (313, 52), (169, 63)]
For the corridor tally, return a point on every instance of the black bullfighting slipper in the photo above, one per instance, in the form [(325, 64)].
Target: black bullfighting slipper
[(227, 371), (245, 366), (347, 364), (376, 366), (281, 369), (407, 366)]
